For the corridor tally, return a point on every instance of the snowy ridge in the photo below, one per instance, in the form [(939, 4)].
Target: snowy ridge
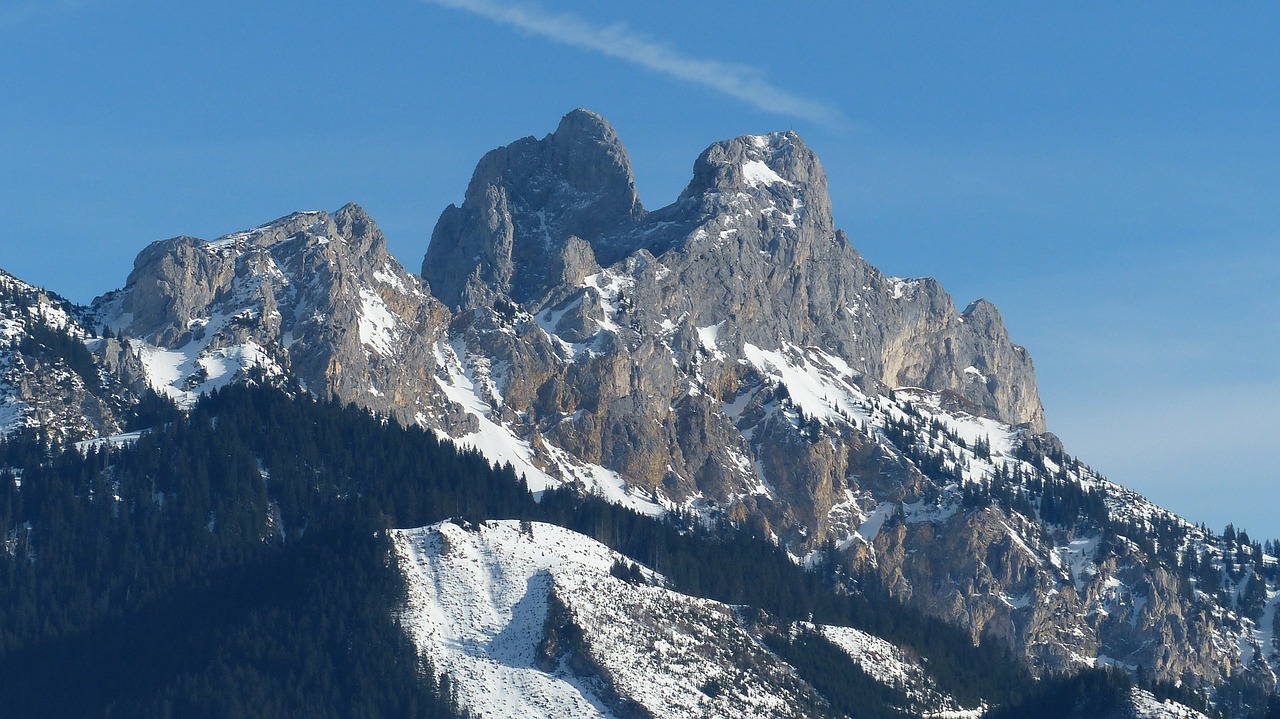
[(527, 621), (890, 666), (1146, 706), (41, 388)]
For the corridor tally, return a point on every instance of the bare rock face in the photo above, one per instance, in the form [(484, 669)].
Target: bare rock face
[(749, 242), (634, 330), (310, 298), (524, 203)]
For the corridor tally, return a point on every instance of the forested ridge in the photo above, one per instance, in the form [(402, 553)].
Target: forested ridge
[(232, 563)]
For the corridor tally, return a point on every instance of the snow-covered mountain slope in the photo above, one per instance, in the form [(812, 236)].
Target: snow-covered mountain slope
[(1147, 706), (893, 667), (50, 380), (528, 621)]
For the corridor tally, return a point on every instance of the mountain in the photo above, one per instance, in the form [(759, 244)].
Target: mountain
[(310, 298), (49, 376), (730, 356)]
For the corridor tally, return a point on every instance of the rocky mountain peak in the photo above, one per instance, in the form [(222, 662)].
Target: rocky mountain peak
[(355, 225), (754, 160), (586, 151), (524, 202), (312, 296), (775, 170)]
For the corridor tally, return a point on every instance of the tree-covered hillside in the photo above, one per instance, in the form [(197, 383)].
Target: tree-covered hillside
[(231, 562)]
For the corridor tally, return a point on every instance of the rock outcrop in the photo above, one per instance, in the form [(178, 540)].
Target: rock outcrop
[(310, 299), (524, 204)]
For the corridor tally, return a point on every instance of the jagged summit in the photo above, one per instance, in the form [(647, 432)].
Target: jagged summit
[(771, 162), (749, 246), (524, 203)]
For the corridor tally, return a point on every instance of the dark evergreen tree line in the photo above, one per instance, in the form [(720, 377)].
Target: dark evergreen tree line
[(228, 564)]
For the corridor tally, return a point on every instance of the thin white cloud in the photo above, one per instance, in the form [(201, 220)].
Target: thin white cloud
[(618, 41)]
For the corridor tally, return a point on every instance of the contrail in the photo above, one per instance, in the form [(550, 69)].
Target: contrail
[(618, 41)]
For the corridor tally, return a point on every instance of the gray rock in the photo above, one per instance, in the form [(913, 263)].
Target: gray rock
[(308, 299), (524, 202)]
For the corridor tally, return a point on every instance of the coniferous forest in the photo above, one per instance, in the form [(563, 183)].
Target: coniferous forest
[(232, 563)]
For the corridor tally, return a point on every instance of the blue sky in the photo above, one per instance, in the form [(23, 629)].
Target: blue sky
[(1107, 173)]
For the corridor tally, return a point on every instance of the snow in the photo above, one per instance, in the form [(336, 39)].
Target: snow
[(226, 242), (185, 373), (377, 323), (1078, 556), (387, 276), (940, 511), (877, 657), (1264, 632), (815, 389), (479, 600), (869, 529), (601, 482), (968, 427), (116, 440), (494, 441), (164, 368), (549, 319), (12, 414), (756, 173), (611, 287), (224, 364), (1020, 543), (734, 408), (889, 665), (900, 288), (708, 336), (499, 444), (477, 606), (1146, 706)]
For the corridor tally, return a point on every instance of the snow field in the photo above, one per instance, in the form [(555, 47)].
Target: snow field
[(479, 602)]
